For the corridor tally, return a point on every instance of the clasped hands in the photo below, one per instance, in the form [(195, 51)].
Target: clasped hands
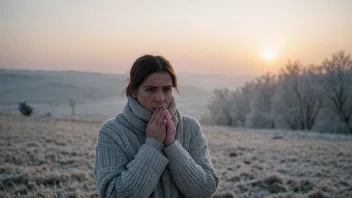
[(161, 127)]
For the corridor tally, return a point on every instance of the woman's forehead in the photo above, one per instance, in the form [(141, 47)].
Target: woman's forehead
[(158, 79)]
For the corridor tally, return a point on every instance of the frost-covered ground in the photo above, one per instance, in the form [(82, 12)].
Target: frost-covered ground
[(54, 157)]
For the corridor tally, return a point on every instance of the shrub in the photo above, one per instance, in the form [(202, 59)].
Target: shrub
[(25, 109)]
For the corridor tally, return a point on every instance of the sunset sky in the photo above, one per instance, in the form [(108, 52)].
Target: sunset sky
[(201, 36)]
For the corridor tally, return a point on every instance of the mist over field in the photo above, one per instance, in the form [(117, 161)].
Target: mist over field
[(97, 94)]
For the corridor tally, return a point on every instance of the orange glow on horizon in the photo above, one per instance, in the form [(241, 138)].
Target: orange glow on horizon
[(236, 37)]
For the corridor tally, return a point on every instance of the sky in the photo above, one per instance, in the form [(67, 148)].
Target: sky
[(198, 36)]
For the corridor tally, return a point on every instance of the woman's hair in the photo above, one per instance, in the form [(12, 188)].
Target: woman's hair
[(146, 65)]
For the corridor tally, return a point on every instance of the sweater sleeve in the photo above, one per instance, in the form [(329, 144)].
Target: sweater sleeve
[(117, 175), (192, 171)]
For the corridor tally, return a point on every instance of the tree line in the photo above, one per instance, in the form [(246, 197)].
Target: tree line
[(313, 97)]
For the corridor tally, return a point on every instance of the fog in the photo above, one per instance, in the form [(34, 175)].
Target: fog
[(97, 94)]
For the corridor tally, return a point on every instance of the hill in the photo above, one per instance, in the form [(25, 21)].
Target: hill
[(98, 95)]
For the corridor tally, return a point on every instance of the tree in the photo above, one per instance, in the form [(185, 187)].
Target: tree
[(72, 104), (314, 97), (240, 105), (25, 109), (219, 107), (300, 97), (338, 84), (260, 115)]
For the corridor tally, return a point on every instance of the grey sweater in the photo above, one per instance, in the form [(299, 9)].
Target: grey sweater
[(128, 164)]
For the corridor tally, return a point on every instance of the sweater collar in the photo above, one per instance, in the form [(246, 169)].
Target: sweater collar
[(139, 117)]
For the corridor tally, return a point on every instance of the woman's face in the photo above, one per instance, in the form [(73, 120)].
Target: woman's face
[(155, 91)]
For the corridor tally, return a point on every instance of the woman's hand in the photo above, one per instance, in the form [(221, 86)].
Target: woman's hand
[(156, 127), (170, 130)]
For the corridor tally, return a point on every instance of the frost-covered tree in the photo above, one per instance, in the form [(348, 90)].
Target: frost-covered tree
[(219, 107), (338, 86), (240, 105), (260, 115), (299, 98)]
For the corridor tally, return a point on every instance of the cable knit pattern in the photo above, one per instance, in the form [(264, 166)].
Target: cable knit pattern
[(128, 164)]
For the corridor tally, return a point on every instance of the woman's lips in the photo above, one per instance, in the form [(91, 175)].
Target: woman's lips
[(158, 107), (155, 108)]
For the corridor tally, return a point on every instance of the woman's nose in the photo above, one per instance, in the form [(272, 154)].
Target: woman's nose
[(159, 96)]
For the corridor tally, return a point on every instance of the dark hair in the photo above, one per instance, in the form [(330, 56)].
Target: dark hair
[(146, 65)]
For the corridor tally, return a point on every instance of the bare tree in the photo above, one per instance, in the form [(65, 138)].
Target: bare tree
[(313, 94), (73, 104), (338, 84), (299, 97)]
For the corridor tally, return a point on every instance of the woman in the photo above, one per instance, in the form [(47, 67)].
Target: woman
[(150, 149)]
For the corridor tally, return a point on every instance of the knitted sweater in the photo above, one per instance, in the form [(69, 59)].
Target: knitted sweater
[(129, 164)]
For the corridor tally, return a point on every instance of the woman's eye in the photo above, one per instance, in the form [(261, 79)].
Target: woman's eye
[(167, 89)]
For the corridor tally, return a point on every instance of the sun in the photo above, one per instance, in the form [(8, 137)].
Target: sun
[(269, 54)]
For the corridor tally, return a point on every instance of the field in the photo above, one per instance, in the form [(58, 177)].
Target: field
[(54, 157)]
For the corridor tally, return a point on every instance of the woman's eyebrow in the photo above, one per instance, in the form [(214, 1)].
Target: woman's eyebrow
[(152, 86)]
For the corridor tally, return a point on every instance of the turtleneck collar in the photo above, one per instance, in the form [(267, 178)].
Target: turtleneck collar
[(139, 117)]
